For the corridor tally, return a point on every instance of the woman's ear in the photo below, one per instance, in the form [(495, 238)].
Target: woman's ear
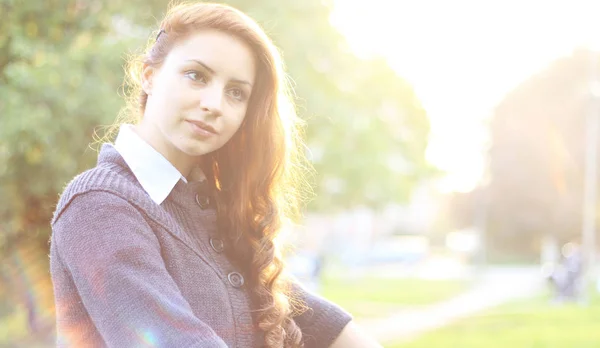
[(147, 77)]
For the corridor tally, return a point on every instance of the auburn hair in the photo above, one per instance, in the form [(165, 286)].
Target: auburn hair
[(259, 175)]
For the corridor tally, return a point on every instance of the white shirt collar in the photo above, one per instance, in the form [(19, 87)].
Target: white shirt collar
[(155, 173)]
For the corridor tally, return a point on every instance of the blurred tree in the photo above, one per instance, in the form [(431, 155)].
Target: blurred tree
[(367, 132), (61, 70), (537, 160)]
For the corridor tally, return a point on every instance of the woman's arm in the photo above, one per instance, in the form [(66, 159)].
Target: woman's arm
[(353, 337), (324, 324), (111, 284)]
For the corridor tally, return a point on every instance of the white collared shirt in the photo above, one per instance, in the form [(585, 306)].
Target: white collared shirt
[(155, 173)]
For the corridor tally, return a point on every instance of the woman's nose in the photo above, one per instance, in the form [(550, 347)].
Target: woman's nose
[(211, 100)]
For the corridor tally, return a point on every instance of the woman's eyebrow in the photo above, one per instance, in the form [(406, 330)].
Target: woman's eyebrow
[(204, 65), (244, 82), (213, 72)]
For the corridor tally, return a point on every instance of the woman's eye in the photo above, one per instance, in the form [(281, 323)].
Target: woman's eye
[(236, 93), (195, 76)]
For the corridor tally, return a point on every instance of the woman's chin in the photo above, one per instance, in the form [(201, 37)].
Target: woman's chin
[(195, 150)]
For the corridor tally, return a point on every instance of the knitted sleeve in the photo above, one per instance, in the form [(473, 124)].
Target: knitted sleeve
[(110, 282), (323, 322)]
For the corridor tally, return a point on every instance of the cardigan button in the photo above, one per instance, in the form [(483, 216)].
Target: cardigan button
[(217, 244), (235, 279), (203, 201)]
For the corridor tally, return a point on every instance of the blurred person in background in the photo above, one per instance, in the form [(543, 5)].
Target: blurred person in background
[(170, 240), (573, 265), (567, 277)]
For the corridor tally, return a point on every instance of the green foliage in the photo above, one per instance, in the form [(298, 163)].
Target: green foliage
[(61, 75), (367, 132)]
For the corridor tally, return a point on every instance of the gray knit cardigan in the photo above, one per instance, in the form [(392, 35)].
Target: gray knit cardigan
[(130, 273)]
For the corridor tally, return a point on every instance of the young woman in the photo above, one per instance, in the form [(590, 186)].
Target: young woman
[(170, 240)]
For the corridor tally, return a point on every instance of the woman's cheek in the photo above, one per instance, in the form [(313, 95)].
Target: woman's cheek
[(186, 97)]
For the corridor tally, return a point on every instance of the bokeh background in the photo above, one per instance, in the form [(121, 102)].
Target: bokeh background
[(455, 145)]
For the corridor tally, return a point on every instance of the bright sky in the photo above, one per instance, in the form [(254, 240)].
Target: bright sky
[(462, 57)]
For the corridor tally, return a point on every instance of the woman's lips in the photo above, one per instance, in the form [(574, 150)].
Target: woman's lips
[(201, 128)]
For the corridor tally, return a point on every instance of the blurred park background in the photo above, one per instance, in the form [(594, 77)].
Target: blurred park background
[(455, 145)]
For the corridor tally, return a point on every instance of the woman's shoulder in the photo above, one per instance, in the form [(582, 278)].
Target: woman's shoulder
[(99, 183)]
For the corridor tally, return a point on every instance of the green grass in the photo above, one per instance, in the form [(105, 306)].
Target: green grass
[(375, 297), (14, 330), (533, 323), (13, 325)]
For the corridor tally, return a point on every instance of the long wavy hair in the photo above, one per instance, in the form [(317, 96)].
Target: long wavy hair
[(259, 175)]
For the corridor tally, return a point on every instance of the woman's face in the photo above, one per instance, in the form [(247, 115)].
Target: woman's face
[(197, 99)]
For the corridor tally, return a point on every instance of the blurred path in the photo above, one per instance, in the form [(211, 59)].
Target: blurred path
[(496, 285)]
